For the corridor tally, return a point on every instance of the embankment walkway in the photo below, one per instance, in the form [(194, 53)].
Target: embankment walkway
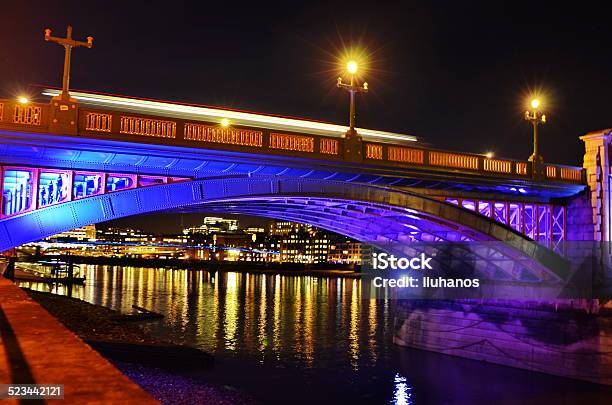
[(36, 348)]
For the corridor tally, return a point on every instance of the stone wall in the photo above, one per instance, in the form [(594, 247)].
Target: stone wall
[(560, 338), (597, 165), (580, 213)]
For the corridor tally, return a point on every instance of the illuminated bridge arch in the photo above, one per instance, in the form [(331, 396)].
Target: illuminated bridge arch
[(371, 214)]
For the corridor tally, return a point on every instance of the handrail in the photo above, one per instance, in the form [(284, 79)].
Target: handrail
[(33, 117), (119, 125)]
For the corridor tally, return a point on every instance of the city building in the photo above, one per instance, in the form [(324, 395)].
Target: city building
[(257, 234), (213, 225), (122, 235), (317, 247), (84, 233), (299, 243), (283, 228), (345, 253), (292, 247)]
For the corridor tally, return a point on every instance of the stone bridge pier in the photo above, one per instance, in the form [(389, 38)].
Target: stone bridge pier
[(565, 337), (589, 224)]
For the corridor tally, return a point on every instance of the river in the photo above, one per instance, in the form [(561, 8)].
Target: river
[(299, 339)]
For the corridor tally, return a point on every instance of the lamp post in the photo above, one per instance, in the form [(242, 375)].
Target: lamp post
[(536, 118), (352, 87), (68, 43)]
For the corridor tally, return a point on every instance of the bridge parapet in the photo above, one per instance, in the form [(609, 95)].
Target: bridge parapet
[(145, 128), (24, 117), (395, 155)]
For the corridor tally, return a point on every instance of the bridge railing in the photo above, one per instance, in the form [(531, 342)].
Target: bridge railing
[(24, 116), (394, 155), (125, 126)]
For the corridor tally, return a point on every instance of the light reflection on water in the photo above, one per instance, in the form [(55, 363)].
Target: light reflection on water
[(303, 339), (402, 394), (267, 316)]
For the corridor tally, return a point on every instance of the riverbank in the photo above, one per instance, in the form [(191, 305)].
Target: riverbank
[(155, 365), (290, 269)]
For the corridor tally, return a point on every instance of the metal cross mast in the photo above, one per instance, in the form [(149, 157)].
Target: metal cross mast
[(68, 43)]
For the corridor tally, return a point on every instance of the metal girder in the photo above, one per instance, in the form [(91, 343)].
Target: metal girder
[(355, 210)]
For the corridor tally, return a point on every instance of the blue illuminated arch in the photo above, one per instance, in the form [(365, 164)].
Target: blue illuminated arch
[(371, 214)]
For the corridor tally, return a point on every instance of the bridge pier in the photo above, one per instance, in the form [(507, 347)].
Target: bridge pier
[(571, 338), (597, 166), (563, 338)]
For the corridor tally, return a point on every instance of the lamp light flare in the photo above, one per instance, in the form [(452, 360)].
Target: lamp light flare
[(225, 123), (352, 67), (23, 100), (489, 155), (536, 118)]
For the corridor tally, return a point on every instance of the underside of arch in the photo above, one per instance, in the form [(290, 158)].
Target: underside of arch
[(371, 214)]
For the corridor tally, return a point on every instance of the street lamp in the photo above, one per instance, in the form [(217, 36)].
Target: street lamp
[(536, 118), (352, 87)]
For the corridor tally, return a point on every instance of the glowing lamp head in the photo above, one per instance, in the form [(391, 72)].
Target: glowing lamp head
[(489, 155), (535, 103), (225, 123), (23, 100), (352, 67)]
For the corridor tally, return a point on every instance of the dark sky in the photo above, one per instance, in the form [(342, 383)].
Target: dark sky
[(456, 73)]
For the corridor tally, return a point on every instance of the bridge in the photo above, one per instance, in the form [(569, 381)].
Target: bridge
[(64, 153), (97, 157)]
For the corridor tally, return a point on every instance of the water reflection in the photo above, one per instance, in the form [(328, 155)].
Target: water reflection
[(305, 339), (402, 392), (271, 317)]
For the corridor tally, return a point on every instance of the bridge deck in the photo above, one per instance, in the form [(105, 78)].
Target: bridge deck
[(37, 349), (170, 124)]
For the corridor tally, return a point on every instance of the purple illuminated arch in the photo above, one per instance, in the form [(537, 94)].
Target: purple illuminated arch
[(368, 213)]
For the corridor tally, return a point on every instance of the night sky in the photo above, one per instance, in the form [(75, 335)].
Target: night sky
[(455, 73)]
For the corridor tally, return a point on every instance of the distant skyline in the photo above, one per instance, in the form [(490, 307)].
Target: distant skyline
[(456, 74), (171, 223)]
